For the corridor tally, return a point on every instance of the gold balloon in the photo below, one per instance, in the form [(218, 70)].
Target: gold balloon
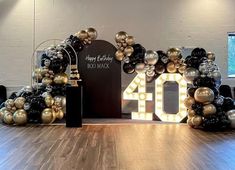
[(92, 33), (130, 40), (46, 81), (19, 102), (20, 117), (174, 54), (82, 35), (204, 95), (2, 110), (191, 113), (61, 78), (209, 109), (8, 117), (171, 67), (59, 114), (49, 101), (188, 102), (189, 122), (121, 36), (9, 103), (60, 101), (197, 120), (119, 55), (182, 68), (48, 116), (37, 75), (128, 50), (44, 71), (211, 56)]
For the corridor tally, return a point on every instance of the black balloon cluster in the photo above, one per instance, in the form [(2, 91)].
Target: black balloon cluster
[(206, 107), (45, 101)]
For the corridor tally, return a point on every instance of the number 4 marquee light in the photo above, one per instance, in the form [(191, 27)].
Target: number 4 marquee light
[(140, 82)]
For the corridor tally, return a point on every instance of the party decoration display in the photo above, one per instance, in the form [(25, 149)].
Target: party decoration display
[(45, 101), (206, 108)]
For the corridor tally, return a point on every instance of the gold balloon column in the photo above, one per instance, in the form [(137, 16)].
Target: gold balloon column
[(44, 101)]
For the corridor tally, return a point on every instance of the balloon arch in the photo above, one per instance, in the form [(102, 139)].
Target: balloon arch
[(44, 102)]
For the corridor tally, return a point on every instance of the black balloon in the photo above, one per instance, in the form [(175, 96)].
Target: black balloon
[(191, 91), (198, 108), (13, 95), (34, 116), (128, 68), (199, 53), (160, 67), (228, 104), (204, 82)]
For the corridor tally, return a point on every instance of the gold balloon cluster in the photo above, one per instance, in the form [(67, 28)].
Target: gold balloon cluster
[(124, 45), (176, 62), (86, 36), (55, 109), (205, 96), (13, 112)]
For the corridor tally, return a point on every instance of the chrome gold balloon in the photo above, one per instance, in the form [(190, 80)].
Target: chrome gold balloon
[(121, 36), (211, 56), (188, 102), (182, 68), (82, 35), (8, 117), (197, 120), (61, 78), (49, 100), (204, 95), (130, 40), (48, 116), (171, 67), (191, 113), (59, 114), (46, 81), (20, 117), (128, 50), (92, 33), (174, 54), (209, 109), (119, 55), (19, 102), (2, 110), (9, 103)]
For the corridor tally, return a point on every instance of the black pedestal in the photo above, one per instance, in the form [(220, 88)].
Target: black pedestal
[(74, 106)]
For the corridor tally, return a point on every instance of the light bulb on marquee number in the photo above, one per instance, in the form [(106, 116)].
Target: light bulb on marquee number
[(140, 82)]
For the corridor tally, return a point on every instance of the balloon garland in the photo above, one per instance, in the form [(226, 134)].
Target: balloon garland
[(45, 101), (207, 109)]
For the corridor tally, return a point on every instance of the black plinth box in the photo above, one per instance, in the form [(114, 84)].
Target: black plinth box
[(74, 106)]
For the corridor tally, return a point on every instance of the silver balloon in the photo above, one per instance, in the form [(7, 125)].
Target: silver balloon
[(140, 68), (219, 100), (231, 117), (190, 74), (216, 75), (151, 57), (203, 68)]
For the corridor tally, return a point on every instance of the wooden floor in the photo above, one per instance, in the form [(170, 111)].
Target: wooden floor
[(124, 146)]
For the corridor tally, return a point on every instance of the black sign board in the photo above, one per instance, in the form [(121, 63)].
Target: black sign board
[(101, 76)]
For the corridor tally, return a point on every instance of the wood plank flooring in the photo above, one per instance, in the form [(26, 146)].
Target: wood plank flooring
[(113, 147)]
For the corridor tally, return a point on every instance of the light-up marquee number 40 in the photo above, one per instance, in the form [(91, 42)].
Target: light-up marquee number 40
[(140, 82)]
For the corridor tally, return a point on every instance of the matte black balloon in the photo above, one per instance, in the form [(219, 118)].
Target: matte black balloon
[(128, 68), (228, 104), (193, 62), (160, 67), (199, 53), (191, 91), (211, 123), (198, 108), (204, 82), (216, 91), (34, 116)]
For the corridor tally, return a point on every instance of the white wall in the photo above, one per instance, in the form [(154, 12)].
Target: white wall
[(156, 24)]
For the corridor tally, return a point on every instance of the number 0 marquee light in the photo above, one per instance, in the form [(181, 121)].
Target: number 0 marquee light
[(140, 82)]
